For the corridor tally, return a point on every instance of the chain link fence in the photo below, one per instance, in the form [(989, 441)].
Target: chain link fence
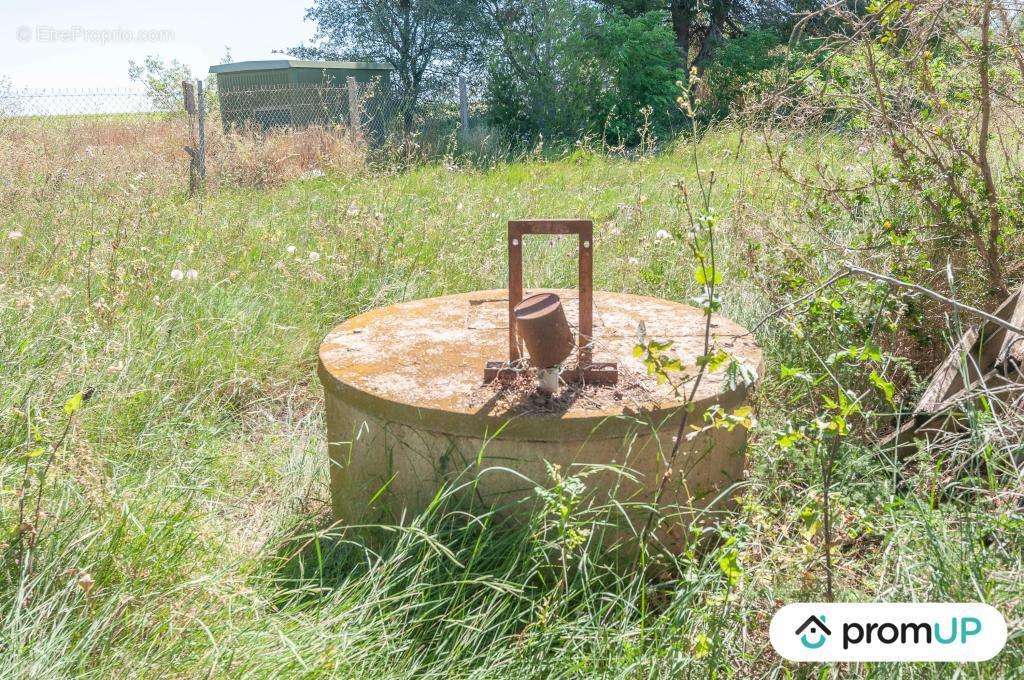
[(183, 139)]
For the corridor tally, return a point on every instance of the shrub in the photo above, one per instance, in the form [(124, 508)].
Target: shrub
[(744, 67), (639, 68), (629, 62)]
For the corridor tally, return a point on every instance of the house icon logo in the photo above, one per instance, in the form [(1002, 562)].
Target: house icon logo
[(813, 632)]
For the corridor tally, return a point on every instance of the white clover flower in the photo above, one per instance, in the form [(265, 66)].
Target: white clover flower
[(14, 235), (662, 235), (291, 250), (177, 274), (314, 256), (191, 275)]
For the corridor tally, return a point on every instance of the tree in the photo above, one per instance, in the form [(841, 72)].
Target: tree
[(542, 79), (161, 80), (565, 70), (702, 26), (428, 42)]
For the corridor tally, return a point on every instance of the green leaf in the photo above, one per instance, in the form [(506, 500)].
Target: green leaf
[(707, 273), (36, 452), (744, 416), (793, 372), (74, 403), (672, 365), (810, 520), (701, 647), (713, 361), (638, 351), (729, 563), (887, 388), (786, 441)]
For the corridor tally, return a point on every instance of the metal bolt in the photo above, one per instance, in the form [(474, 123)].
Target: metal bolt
[(586, 244), (515, 241)]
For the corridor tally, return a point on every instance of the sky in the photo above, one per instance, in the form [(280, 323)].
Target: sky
[(88, 43)]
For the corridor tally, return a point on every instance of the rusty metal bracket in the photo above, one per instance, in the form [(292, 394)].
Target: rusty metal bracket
[(585, 370)]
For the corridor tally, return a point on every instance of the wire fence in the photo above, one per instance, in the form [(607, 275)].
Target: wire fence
[(259, 136)]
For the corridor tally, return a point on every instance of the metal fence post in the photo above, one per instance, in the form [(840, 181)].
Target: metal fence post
[(463, 104), (353, 106), (201, 108)]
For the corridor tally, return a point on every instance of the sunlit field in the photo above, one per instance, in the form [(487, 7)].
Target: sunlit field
[(178, 518)]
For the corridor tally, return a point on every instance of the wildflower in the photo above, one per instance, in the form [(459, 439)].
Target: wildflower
[(191, 275), (353, 209), (14, 235), (634, 261), (314, 256), (615, 231), (291, 250), (177, 274), (459, 207), (86, 582), (662, 235)]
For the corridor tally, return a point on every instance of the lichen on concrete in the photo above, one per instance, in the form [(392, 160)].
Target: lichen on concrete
[(430, 354)]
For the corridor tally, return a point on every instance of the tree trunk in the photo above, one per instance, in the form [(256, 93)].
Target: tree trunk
[(713, 38), (682, 22)]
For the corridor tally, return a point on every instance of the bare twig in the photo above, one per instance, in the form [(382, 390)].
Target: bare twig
[(959, 306)]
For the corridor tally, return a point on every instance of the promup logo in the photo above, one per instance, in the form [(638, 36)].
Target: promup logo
[(888, 632), (817, 627)]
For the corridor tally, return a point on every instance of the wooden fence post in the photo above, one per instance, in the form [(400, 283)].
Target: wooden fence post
[(201, 110), (353, 106)]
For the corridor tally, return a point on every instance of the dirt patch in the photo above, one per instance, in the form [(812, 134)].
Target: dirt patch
[(520, 396)]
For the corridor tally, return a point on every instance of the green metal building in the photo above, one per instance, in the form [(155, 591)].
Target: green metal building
[(294, 93)]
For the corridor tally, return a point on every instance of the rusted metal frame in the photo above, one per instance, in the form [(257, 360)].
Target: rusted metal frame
[(584, 230), (606, 373), (585, 369)]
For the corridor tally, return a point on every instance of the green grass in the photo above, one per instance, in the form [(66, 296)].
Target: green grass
[(191, 489)]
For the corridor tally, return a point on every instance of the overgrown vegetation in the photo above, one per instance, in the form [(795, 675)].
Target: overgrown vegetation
[(164, 504), (184, 521)]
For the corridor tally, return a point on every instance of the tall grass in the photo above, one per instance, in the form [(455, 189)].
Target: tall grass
[(185, 528)]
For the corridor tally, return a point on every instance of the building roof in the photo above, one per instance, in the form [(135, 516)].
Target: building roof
[(273, 64)]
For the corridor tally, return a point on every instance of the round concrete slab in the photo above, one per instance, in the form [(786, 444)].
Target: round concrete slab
[(407, 414), (422, 362)]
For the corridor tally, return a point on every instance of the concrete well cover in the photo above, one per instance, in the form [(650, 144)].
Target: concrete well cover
[(421, 363)]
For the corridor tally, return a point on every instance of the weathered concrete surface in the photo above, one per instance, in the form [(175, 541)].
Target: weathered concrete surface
[(406, 410)]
